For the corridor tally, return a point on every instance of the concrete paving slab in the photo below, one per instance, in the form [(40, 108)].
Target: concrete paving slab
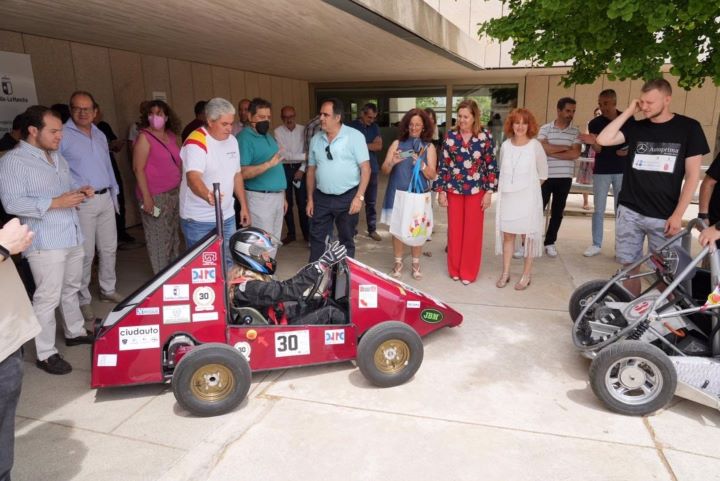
[(331, 442), (517, 372), (57, 399), (690, 467), (688, 426), (62, 453)]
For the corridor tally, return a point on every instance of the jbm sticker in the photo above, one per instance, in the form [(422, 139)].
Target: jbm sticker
[(203, 275), (432, 316)]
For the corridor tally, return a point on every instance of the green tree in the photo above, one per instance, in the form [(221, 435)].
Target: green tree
[(623, 38)]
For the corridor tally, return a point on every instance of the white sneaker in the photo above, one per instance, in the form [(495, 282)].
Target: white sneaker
[(591, 251), (519, 253), (551, 250)]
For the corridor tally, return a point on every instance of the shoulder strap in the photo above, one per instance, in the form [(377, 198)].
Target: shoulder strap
[(163, 144)]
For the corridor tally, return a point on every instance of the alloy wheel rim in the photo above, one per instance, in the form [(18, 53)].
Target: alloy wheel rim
[(212, 382), (633, 380), (392, 356)]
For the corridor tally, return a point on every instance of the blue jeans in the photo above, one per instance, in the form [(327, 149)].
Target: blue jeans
[(194, 231), (601, 187)]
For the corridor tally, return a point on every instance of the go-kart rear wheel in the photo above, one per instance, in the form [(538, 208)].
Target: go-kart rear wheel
[(390, 353), (585, 294), (633, 378), (211, 379)]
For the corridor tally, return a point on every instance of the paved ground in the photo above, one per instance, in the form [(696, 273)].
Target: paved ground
[(503, 397)]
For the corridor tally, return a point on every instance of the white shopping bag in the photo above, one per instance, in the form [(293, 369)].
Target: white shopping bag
[(412, 217)]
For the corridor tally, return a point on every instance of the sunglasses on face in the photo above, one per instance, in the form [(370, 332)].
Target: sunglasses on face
[(328, 153)]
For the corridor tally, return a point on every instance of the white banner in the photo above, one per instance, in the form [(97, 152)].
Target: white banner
[(17, 87)]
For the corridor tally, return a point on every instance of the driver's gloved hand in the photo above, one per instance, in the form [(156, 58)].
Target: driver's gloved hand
[(334, 254)]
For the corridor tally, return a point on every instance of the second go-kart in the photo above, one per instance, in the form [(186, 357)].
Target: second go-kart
[(181, 327), (663, 343)]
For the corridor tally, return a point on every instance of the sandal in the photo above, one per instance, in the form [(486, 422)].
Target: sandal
[(397, 268), (523, 283), (417, 275), (503, 280)]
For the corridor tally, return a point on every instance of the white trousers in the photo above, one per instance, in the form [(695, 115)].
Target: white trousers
[(97, 222), (58, 275), (266, 211)]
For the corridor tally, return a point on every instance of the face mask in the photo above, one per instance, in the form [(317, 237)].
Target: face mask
[(262, 127), (156, 121)]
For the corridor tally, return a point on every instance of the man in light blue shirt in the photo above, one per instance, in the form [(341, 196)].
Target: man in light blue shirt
[(86, 150), (35, 184), (338, 165)]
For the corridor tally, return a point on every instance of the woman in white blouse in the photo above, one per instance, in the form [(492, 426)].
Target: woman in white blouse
[(523, 168)]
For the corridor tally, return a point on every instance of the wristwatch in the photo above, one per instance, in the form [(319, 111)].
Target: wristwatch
[(5, 253), (361, 197), (703, 215)]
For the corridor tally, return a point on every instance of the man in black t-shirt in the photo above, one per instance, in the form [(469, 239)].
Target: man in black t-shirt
[(709, 205), (663, 150), (608, 168)]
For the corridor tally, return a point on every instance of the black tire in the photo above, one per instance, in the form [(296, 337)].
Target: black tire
[(211, 379), (587, 291), (394, 339), (644, 372)]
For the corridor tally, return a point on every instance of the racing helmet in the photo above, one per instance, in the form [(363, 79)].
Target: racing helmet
[(253, 249)]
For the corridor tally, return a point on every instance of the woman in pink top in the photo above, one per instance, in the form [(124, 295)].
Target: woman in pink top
[(158, 169)]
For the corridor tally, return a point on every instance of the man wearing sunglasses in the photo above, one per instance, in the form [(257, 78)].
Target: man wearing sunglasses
[(338, 165)]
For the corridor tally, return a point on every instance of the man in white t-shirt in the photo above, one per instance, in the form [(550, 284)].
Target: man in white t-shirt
[(210, 154)]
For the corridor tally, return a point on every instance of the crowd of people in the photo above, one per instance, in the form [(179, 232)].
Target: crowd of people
[(59, 177)]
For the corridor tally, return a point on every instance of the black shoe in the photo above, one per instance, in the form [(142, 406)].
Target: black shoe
[(55, 364), (374, 236), (76, 341), (288, 239), (125, 237)]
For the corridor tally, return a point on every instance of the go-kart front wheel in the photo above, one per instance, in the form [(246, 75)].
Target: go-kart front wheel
[(587, 292), (390, 353), (211, 379), (633, 378)]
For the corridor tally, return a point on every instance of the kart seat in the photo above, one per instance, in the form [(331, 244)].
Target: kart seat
[(247, 316)]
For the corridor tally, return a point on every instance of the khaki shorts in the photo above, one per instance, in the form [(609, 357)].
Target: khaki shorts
[(630, 231)]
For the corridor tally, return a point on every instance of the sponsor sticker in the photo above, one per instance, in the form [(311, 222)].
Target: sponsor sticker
[(209, 258), (433, 316), (295, 343), (177, 314), (139, 337), (204, 298), (147, 311), (413, 304), (205, 316), (203, 275), (367, 296), (176, 292), (107, 360), (334, 336), (244, 348)]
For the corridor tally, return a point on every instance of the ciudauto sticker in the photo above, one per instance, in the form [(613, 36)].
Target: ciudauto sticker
[(433, 316)]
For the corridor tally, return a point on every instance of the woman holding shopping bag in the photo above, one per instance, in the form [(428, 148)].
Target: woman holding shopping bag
[(467, 177), (523, 168), (411, 163)]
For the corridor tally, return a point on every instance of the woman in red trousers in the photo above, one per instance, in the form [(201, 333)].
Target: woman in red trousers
[(467, 177)]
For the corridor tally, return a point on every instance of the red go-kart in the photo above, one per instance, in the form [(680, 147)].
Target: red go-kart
[(180, 326)]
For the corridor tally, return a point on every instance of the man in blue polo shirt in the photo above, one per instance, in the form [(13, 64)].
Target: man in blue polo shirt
[(365, 123), (262, 171), (338, 164)]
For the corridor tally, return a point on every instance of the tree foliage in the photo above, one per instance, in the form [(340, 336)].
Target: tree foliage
[(623, 38)]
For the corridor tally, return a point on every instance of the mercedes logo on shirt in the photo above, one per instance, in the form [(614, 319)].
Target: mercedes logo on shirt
[(641, 148)]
